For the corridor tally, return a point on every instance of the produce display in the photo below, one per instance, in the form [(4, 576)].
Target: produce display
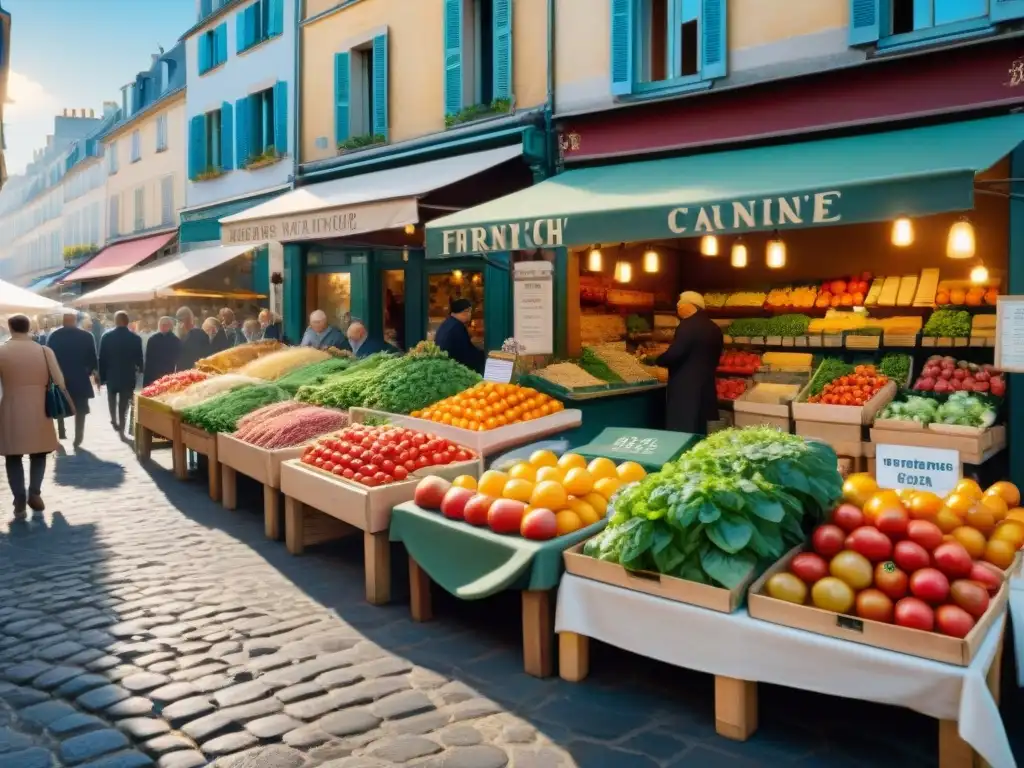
[(920, 410), (274, 365), (771, 394), (597, 329), (235, 357), (621, 363), (568, 376), (853, 388), (971, 296), (730, 389), (276, 426), (174, 382), (800, 297), (221, 413), (489, 405), (745, 299), (725, 510), (983, 327), (948, 322), (204, 390), (913, 559), (947, 374), (780, 325), (315, 374), (541, 498), (738, 363), (348, 387), (962, 409), (715, 300), (844, 293), (836, 322), (896, 367), (375, 456), (598, 368)]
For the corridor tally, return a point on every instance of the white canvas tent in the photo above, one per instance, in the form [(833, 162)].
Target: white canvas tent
[(14, 300)]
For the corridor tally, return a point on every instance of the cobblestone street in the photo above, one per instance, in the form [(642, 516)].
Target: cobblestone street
[(142, 624)]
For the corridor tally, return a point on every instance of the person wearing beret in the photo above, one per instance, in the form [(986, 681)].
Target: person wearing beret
[(453, 337)]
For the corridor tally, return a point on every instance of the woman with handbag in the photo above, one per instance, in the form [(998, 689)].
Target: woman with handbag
[(33, 396)]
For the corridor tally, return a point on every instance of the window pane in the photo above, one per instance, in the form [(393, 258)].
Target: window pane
[(949, 11), (444, 288), (394, 307), (333, 294)]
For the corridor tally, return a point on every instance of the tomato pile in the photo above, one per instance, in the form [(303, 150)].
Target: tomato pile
[(174, 382), (912, 558), (375, 456), (739, 363), (730, 389), (855, 389)]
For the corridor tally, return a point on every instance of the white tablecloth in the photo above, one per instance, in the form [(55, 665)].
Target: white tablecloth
[(735, 645)]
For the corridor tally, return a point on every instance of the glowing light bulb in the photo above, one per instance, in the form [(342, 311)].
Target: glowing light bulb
[(776, 254), (709, 245), (595, 262), (651, 262), (902, 232), (961, 243), (738, 255), (979, 275)]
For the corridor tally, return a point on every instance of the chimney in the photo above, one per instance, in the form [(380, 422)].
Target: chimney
[(65, 111), (74, 112), (156, 57), (92, 112)]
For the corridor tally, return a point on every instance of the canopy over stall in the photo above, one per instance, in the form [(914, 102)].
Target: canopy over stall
[(160, 279), (356, 205), (848, 180), (14, 299), (117, 259)]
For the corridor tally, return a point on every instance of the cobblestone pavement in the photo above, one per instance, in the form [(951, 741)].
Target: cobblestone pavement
[(141, 624)]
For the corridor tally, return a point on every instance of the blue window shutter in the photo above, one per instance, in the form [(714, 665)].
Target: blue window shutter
[(1006, 10), (380, 86), (714, 49), (276, 26), (251, 20), (196, 146), (240, 32), (622, 46), (342, 95), (222, 43), (204, 56), (503, 74), (242, 132), (205, 8), (226, 137), (452, 56), (864, 21), (281, 116)]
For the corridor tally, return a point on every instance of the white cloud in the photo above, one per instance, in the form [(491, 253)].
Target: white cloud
[(28, 118), (28, 97)]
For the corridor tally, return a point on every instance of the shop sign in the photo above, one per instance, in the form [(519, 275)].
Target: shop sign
[(512, 236), (1016, 74), (320, 225), (533, 319), (923, 469), (758, 214)]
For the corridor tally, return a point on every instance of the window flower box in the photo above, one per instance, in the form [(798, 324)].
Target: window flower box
[(359, 143), (209, 174), (471, 114), (269, 156)]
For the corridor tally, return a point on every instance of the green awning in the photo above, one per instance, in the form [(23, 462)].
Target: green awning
[(850, 180)]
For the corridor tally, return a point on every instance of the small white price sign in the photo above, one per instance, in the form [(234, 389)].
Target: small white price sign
[(922, 469)]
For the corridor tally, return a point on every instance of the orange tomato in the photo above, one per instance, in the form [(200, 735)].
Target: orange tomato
[(959, 503), (924, 505), (882, 500), (1011, 531), (972, 539), (858, 489), (969, 487), (996, 505), (1005, 490), (1000, 553), (947, 520)]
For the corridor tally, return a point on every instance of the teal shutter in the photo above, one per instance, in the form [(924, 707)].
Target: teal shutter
[(622, 47), (342, 95), (1006, 10), (281, 116), (251, 25), (227, 135), (222, 44), (503, 75), (204, 53), (864, 21), (452, 56), (240, 32), (196, 146), (276, 18), (205, 9), (380, 86), (242, 132), (714, 50)]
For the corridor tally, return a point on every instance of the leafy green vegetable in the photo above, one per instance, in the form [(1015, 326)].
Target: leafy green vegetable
[(948, 322), (831, 368), (221, 413), (896, 367), (912, 408), (312, 375), (596, 367), (966, 410), (723, 511), (780, 325)]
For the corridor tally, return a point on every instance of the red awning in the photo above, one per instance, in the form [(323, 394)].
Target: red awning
[(118, 259)]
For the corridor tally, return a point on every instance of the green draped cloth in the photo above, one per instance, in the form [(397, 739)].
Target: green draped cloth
[(472, 563)]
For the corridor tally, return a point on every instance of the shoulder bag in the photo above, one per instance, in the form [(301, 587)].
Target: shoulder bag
[(57, 404)]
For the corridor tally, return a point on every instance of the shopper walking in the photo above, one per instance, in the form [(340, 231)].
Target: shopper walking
[(75, 350), (26, 370), (691, 360), (453, 337), (120, 363), (161, 352), (195, 344)]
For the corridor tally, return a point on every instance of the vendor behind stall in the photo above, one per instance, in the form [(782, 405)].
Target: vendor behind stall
[(691, 360), (453, 337)]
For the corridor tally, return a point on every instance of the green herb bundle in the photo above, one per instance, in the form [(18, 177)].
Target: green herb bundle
[(948, 322), (725, 510), (896, 367), (596, 367), (780, 325), (221, 413), (413, 383), (312, 375), (831, 368)]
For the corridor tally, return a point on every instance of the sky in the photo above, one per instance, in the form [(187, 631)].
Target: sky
[(78, 54)]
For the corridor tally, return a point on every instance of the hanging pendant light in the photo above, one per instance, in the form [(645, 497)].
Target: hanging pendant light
[(623, 272), (738, 254), (775, 256), (651, 262), (979, 275), (902, 232), (709, 245), (961, 243), (595, 262)]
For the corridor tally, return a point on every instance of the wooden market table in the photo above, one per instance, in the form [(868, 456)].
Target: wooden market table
[(205, 444), (155, 418), (741, 651), (473, 563), (262, 465)]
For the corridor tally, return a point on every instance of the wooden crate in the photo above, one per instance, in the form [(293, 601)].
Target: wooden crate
[(154, 418), (205, 444)]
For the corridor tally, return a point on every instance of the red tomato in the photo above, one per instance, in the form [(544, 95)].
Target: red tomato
[(356, 463), (828, 540), (319, 461), (954, 621), (422, 462), (891, 580), (371, 469), (462, 455), (380, 477), (848, 517), (875, 605), (410, 465), (809, 567), (338, 469), (348, 474), (930, 585), (914, 613), (358, 477), (370, 482), (387, 466), (401, 473)]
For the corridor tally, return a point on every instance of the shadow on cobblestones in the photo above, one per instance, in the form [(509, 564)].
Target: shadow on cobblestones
[(86, 471)]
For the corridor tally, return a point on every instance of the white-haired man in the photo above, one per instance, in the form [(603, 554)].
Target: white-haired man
[(321, 335), (195, 344)]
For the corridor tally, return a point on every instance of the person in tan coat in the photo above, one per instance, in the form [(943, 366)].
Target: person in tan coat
[(25, 372)]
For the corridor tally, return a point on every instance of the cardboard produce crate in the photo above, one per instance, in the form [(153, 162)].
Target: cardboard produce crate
[(659, 585), (928, 645)]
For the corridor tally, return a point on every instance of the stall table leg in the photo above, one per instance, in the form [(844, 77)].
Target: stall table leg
[(178, 458), (144, 442), (538, 632), (573, 656), (954, 752), (294, 513), (419, 593), (377, 562), (735, 708), (271, 513), (213, 473), (229, 487)]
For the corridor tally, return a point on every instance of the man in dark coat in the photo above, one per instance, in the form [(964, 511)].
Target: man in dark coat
[(162, 352), (453, 337), (120, 362), (364, 345), (269, 328), (195, 344), (232, 330), (691, 360), (75, 351)]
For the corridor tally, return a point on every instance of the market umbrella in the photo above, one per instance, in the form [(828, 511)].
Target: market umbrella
[(14, 299)]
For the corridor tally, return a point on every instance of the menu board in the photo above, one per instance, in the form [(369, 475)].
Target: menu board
[(533, 315), (1010, 334)]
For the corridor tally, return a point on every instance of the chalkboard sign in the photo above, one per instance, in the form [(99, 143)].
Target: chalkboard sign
[(650, 448)]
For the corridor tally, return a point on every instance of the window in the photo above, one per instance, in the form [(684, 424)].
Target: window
[(140, 208), (209, 143), (161, 133), (114, 224), (167, 200), (136, 146), (213, 48), (667, 44), (262, 130), (908, 23), (261, 21), (112, 158), (361, 94), (478, 55)]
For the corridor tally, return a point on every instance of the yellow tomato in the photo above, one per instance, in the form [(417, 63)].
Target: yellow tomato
[(465, 481), (572, 461), (1011, 531), (543, 459), (996, 505), (567, 521), (1007, 491), (601, 468), (858, 488), (523, 471), (1017, 513), (492, 483), (586, 513), (549, 494), (979, 516), (969, 487), (630, 472), (607, 486), (947, 521), (578, 482), (520, 490), (598, 502), (972, 539), (1000, 553), (960, 503), (554, 474)]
